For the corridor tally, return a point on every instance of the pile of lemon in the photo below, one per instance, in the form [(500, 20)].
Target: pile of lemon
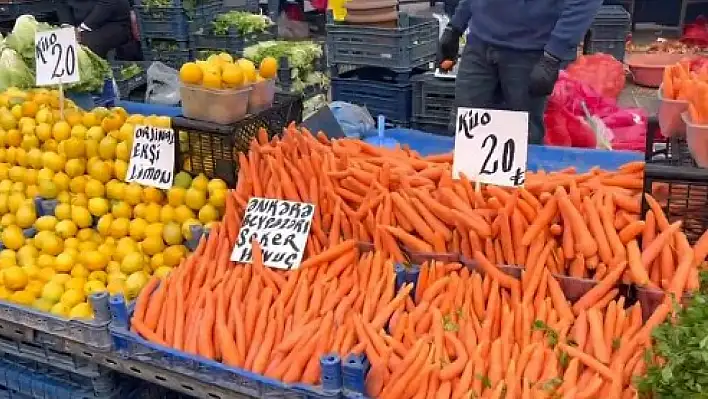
[(221, 71), (104, 234)]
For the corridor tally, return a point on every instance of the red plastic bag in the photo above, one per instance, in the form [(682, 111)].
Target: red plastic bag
[(602, 72), (565, 118), (696, 33)]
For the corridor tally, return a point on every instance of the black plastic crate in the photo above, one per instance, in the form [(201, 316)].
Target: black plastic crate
[(432, 97), (608, 32), (126, 80), (213, 149), (11, 9), (232, 42), (173, 53), (683, 193), (411, 45), (380, 90)]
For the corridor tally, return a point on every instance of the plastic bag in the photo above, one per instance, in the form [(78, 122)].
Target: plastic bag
[(162, 85), (566, 125), (602, 72), (696, 33), (354, 120)]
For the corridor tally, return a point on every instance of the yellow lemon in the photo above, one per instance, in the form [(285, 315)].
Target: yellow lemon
[(132, 263), (66, 229), (120, 227), (72, 297), (195, 198), (104, 225), (114, 189), (61, 278), (45, 261), (94, 260), (120, 169), (133, 193), (63, 211), (98, 275), (81, 216), (22, 298), (152, 245), (175, 196), (174, 254), (15, 278), (60, 179), (81, 311), (183, 213), (94, 188), (156, 261), (98, 206), (113, 269), (52, 291), (61, 131), (167, 214), (248, 69), (232, 75), (79, 270), (47, 273), (42, 304), (134, 283), (154, 229), (163, 271), (26, 216), (74, 148), (211, 79), (172, 234), (116, 287), (48, 189), (53, 161), (208, 214), (139, 210), (151, 194), (121, 210), (60, 309), (137, 229), (64, 262), (75, 167), (12, 237)]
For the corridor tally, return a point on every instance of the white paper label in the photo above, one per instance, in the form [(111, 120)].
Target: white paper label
[(152, 158), (491, 146), (281, 227), (56, 57)]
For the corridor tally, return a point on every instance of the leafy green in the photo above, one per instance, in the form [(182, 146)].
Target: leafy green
[(93, 70), (13, 71), (129, 71), (242, 22), (302, 57), (551, 334), (683, 346)]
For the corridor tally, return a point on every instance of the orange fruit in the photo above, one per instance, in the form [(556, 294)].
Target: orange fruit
[(190, 73), (231, 75), (268, 68)]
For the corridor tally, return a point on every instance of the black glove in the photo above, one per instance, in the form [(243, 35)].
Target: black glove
[(449, 45), (544, 75)]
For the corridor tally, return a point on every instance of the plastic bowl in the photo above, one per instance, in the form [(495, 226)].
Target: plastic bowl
[(261, 97), (697, 140), (670, 121), (218, 106), (648, 69)]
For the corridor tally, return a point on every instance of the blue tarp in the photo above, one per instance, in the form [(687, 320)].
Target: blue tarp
[(133, 107), (539, 157)]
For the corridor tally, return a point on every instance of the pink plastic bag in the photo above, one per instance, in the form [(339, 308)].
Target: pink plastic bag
[(696, 33), (602, 72), (565, 118)]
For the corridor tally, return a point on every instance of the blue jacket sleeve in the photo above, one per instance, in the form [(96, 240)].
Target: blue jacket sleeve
[(574, 21), (462, 16)]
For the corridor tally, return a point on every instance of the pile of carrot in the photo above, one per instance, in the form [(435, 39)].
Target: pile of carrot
[(402, 201), (456, 332), (688, 81)]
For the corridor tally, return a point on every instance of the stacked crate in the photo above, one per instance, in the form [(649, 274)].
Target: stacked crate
[(11, 9), (164, 31), (676, 182), (204, 40), (380, 63), (433, 101), (608, 32)]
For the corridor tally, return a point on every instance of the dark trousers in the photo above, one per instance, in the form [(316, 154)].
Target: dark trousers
[(498, 78), (111, 36)]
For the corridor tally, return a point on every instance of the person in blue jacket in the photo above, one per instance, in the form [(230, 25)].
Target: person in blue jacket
[(514, 52)]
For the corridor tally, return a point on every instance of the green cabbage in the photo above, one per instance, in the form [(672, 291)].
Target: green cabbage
[(93, 70), (13, 71)]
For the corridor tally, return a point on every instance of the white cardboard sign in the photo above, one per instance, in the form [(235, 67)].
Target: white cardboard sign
[(152, 158), (281, 227), (491, 146), (56, 57)]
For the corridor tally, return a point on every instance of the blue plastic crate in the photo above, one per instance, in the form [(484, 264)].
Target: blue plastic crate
[(29, 379), (411, 45), (162, 22), (376, 89), (130, 345), (60, 331)]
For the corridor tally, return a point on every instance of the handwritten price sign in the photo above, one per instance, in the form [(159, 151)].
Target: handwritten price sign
[(56, 57), (491, 146)]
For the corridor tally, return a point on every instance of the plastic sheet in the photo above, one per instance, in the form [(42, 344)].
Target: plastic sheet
[(163, 85)]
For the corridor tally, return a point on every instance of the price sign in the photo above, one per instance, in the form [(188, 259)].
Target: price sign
[(491, 146), (280, 227), (152, 158), (56, 57)]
